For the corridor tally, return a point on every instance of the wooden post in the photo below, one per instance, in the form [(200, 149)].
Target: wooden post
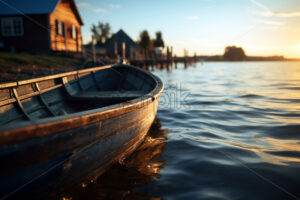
[(124, 50), (172, 59), (94, 51), (132, 53), (82, 48), (168, 53), (116, 48)]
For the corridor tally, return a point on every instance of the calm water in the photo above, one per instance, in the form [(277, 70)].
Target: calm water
[(224, 131)]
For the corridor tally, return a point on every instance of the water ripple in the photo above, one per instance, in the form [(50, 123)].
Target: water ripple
[(235, 134)]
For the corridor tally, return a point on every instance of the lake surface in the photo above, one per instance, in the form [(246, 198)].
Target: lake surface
[(225, 130)]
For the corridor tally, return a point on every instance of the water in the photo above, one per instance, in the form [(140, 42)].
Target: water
[(224, 131)]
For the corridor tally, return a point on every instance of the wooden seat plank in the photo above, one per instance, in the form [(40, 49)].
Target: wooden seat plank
[(108, 95)]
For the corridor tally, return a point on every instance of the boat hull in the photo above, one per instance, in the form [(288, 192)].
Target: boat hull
[(59, 130), (41, 165)]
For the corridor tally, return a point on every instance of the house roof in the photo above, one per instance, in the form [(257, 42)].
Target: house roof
[(121, 36), (33, 7)]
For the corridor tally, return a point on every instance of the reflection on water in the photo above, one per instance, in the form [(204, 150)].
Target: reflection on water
[(233, 133), (119, 182)]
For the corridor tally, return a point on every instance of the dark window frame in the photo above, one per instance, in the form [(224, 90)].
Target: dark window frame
[(12, 27)]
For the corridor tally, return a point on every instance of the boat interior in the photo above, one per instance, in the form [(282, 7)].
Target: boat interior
[(72, 92)]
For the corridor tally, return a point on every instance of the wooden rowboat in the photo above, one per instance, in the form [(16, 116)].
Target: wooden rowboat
[(58, 129)]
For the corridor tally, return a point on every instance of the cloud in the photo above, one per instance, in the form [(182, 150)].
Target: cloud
[(268, 12), (268, 22), (90, 7), (280, 14), (111, 5), (195, 17), (259, 4)]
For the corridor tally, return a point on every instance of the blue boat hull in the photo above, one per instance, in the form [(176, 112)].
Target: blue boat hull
[(75, 154), (58, 130)]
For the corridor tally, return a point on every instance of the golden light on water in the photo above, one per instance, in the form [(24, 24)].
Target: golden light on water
[(299, 47)]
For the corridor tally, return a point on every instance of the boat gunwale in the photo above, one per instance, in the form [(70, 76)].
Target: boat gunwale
[(54, 76), (53, 125)]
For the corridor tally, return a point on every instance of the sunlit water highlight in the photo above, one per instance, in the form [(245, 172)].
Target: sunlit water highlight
[(228, 131)]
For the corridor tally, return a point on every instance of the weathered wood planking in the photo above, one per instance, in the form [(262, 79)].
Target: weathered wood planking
[(38, 27), (65, 14), (44, 126)]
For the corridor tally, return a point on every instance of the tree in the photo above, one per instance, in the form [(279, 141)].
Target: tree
[(145, 41), (158, 42), (101, 32), (233, 53)]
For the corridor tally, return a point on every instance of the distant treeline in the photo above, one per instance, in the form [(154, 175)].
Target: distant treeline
[(265, 58), (233, 53), (248, 58), (102, 32)]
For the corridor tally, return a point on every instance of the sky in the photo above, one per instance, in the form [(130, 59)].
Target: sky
[(204, 27)]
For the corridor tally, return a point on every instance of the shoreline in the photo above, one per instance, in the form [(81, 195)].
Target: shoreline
[(22, 66)]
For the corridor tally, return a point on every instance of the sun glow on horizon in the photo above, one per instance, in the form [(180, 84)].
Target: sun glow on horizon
[(263, 28)]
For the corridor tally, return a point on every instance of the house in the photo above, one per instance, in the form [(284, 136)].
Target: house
[(120, 41), (35, 25)]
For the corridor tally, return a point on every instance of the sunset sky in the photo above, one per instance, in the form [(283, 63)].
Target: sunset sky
[(261, 27)]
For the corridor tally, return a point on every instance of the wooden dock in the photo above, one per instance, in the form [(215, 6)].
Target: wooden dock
[(162, 63)]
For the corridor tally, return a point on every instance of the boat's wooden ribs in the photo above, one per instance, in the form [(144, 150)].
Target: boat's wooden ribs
[(121, 77), (91, 81), (95, 80), (26, 96), (43, 100), (68, 88), (20, 106), (62, 93), (78, 82)]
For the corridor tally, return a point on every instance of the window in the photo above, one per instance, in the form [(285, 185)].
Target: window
[(64, 29), (12, 26), (74, 32), (59, 27)]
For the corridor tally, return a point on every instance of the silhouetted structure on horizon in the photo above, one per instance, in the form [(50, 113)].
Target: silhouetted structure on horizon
[(233, 53)]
